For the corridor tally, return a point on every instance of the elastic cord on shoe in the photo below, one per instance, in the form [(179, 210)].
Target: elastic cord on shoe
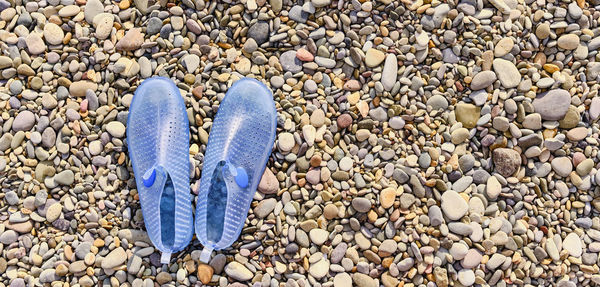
[(205, 255), (165, 258)]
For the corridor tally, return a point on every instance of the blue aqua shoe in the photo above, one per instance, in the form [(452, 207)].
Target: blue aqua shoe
[(239, 145), (158, 143)]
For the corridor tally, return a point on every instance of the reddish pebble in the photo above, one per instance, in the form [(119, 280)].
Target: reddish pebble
[(578, 157), (304, 55), (197, 92), (84, 105), (352, 85), (344, 121)]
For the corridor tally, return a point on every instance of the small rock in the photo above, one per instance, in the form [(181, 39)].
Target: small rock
[(238, 271), (572, 244), (24, 121), (361, 204), (374, 57), (53, 34), (568, 42), (552, 105), (264, 207), (132, 40), (453, 205), (114, 259), (507, 73), (116, 129), (562, 166), (268, 183), (506, 161), (363, 280)]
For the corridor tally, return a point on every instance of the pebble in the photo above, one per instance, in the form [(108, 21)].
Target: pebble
[(390, 71), (568, 42), (285, 142), (573, 245), (466, 277), (361, 204), (363, 280), (53, 34), (115, 129), (24, 121), (453, 205), (507, 73), (238, 271), (552, 105), (290, 62), (265, 207), (132, 40), (483, 80), (562, 166), (342, 280), (92, 8), (35, 44), (506, 161), (114, 259), (374, 57), (319, 269), (268, 183)]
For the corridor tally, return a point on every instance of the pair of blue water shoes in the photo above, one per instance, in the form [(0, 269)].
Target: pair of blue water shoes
[(239, 144)]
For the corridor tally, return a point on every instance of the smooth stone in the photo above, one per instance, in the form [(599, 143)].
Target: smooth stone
[(453, 205), (115, 129), (361, 204), (363, 280), (507, 73), (53, 212), (35, 44), (24, 121), (573, 245), (259, 31), (285, 142), (268, 183), (79, 88), (132, 40), (472, 259), (483, 80), (466, 277), (114, 259), (568, 42), (493, 188), (238, 271), (92, 8), (290, 62), (495, 261), (65, 177), (342, 280), (437, 102), (103, 23), (552, 105), (265, 207), (53, 34), (319, 269), (374, 57), (467, 114), (503, 47), (562, 166), (390, 72)]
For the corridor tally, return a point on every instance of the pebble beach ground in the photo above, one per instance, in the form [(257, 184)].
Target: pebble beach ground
[(420, 143)]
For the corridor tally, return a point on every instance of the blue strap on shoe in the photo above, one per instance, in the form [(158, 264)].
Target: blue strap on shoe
[(239, 174), (149, 177)]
